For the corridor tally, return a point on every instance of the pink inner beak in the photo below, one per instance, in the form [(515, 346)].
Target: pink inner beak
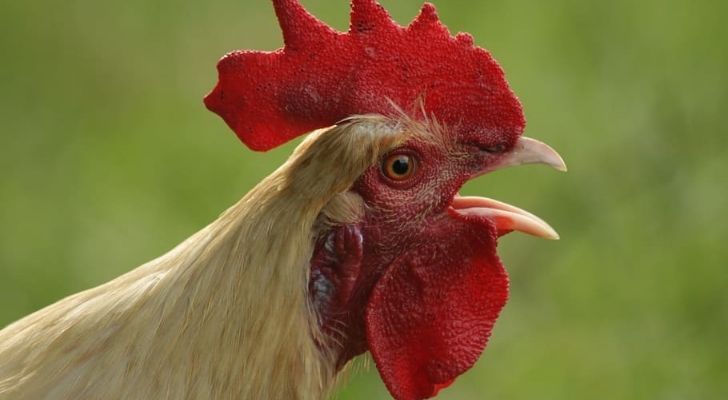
[(505, 216)]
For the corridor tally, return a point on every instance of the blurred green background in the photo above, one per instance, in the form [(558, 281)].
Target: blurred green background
[(108, 159)]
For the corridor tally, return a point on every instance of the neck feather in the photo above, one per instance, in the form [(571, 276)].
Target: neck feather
[(224, 315)]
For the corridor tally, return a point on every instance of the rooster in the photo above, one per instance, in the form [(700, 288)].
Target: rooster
[(359, 242)]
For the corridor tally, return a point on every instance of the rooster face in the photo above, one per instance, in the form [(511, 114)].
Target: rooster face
[(417, 281)]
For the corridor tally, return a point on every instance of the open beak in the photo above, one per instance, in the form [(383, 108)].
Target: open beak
[(505, 216)]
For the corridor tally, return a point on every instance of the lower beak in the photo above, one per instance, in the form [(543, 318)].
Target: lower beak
[(505, 216)]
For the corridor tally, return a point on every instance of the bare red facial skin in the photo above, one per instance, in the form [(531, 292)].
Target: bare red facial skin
[(427, 283), (335, 267)]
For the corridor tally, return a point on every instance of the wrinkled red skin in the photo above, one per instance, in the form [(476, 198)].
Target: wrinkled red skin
[(441, 300), (414, 283)]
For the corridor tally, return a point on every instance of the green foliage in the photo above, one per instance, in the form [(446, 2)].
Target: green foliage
[(108, 159)]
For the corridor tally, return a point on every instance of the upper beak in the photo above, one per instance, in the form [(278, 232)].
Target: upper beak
[(531, 151), (505, 216)]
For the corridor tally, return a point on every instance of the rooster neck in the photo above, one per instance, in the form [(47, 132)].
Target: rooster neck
[(217, 317), (224, 315)]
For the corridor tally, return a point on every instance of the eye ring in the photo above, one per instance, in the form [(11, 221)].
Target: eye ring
[(399, 166)]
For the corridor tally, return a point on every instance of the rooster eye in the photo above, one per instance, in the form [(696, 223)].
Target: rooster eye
[(399, 167)]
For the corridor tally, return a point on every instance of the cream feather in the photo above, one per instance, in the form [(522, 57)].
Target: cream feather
[(225, 314)]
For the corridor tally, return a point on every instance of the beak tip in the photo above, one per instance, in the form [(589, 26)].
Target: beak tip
[(551, 234), (558, 163)]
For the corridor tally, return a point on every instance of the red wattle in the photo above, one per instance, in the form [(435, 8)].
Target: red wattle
[(431, 314)]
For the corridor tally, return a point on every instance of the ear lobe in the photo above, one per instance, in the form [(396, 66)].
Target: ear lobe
[(431, 314), (335, 267)]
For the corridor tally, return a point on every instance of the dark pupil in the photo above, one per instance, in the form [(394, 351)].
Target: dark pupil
[(401, 166)]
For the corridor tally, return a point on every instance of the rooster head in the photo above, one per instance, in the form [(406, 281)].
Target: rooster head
[(416, 279)]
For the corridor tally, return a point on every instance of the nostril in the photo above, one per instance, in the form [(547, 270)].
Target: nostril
[(484, 147), (493, 149)]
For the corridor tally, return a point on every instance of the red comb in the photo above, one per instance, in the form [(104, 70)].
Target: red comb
[(322, 76)]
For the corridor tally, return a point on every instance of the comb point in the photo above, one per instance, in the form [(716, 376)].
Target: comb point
[(465, 39), (299, 27), (369, 15), (429, 22)]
